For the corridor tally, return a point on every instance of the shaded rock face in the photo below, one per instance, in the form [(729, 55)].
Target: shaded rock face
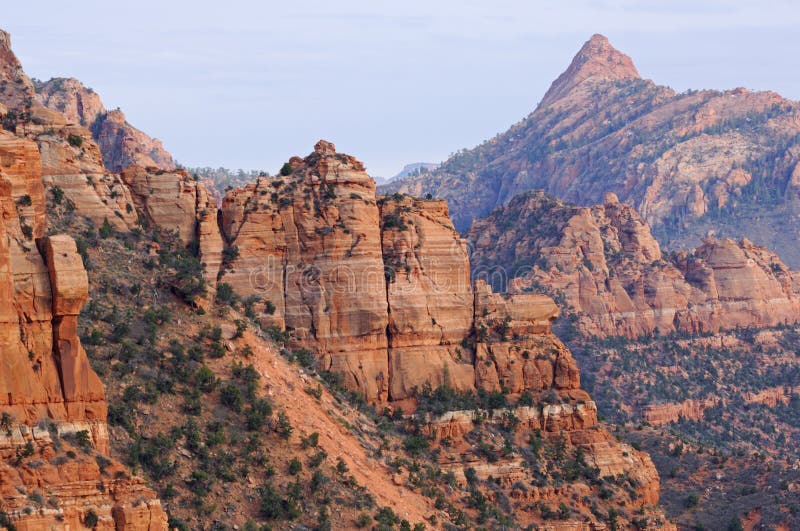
[(612, 274), (75, 167), (123, 145), (44, 372), (514, 347), (689, 163), (120, 143), (78, 104)]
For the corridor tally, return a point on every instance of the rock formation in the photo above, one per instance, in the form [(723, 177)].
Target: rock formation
[(689, 163), (380, 291), (16, 88), (72, 164), (45, 377), (430, 301), (613, 276), (120, 143), (309, 243)]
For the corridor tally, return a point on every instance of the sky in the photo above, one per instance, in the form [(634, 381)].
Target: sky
[(248, 83)]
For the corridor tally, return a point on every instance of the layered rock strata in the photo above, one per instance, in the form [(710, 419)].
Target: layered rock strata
[(612, 274), (121, 144), (47, 387)]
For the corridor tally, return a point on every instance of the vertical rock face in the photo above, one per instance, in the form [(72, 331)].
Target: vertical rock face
[(612, 274), (174, 201), (78, 104), (123, 145), (429, 296), (120, 143), (310, 244), (515, 349), (45, 375), (165, 199)]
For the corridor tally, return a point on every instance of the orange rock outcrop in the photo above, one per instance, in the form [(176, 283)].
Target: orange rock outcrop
[(121, 144), (614, 277), (430, 300), (45, 376), (309, 243)]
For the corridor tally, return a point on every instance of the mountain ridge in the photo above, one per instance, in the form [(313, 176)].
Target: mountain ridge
[(689, 163)]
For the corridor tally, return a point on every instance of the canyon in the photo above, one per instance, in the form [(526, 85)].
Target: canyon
[(377, 289), (307, 347)]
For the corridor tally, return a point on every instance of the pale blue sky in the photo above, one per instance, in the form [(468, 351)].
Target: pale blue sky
[(249, 84)]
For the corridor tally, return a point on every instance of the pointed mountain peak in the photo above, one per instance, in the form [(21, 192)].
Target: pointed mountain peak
[(596, 61)]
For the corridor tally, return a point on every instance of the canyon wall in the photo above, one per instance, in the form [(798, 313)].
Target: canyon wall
[(47, 388), (614, 277)]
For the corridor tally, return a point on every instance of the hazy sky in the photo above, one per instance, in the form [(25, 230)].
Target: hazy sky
[(247, 83)]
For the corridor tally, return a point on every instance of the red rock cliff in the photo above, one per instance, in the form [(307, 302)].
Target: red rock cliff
[(612, 274), (45, 376)]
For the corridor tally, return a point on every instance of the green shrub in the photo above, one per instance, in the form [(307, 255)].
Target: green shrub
[(226, 295), (286, 169), (25, 201), (387, 517), (75, 140), (58, 194), (231, 396), (416, 444), (90, 520), (106, 230), (311, 441), (295, 466), (205, 380)]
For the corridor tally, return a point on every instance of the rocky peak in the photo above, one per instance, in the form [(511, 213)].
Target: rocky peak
[(325, 158), (78, 103), (597, 60), (323, 147), (16, 88)]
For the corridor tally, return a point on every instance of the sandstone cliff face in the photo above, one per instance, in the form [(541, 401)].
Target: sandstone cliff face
[(44, 373), (75, 167), (310, 244), (123, 145), (689, 163), (613, 276), (429, 296), (78, 104), (174, 201), (120, 143)]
